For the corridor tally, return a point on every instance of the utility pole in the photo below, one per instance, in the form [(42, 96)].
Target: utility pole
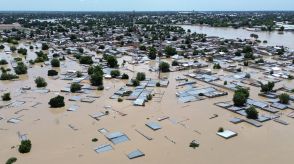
[(159, 56), (159, 66), (133, 22)]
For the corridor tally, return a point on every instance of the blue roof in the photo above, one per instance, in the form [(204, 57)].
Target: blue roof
[(103, 148), (117, 137), (114, 135), (135, 154), (153, 125)]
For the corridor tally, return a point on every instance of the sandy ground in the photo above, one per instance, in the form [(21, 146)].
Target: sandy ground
[(53, 141)]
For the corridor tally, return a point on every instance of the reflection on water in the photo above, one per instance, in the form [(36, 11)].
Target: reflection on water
[(273, 38)]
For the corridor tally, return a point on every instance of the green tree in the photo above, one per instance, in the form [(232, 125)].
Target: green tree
[(140, 76), (55, 62), (247, 49), (22, 51), (175, 63), (267, 87), (152, 53), (74, 87), (164, 67), (217, 66), (125, 76), (25, 146), (86, 60), (7, 76), (95, 69), (170, 51), (11, 160), (284, 98), (21, 68), (136, 82), (41, 57), (243, 91), (115, 73), (96, 79), (112, 61), (252, 113), (52, 73), (3, 62), (248, 55), (142, 48), (79, 74), (239, 99), (40, 82), (45, 46), (6, 97), (57, 102)]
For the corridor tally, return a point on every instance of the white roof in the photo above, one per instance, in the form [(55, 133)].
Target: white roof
[(226, 134), (276, 68)]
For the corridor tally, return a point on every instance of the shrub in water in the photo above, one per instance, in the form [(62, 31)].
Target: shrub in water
[(115, 73), (125, 76), (74, 87), (96, 79), (221, 129), (55, 63), (158, 84), (140, 76), (111, 61), (11, 160), (164, 67), (94, 139), (6, 97), (79, 74), (57, 102), (21, 68), (149, 97), (40, 82), (52, 73), (86, 60), (252, 113), (8, 76), (136, 82), (284, 98), (100, 88), (25, 146), (194, 144), (3, 62)]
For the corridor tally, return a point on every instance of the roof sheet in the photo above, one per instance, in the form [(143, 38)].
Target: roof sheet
[(103, 148), (153, 125), (135, 154)]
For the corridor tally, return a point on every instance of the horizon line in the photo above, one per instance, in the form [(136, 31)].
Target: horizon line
[(146, 10)]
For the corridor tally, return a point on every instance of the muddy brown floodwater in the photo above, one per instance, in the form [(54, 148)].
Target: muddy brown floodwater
[(53, 141)]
